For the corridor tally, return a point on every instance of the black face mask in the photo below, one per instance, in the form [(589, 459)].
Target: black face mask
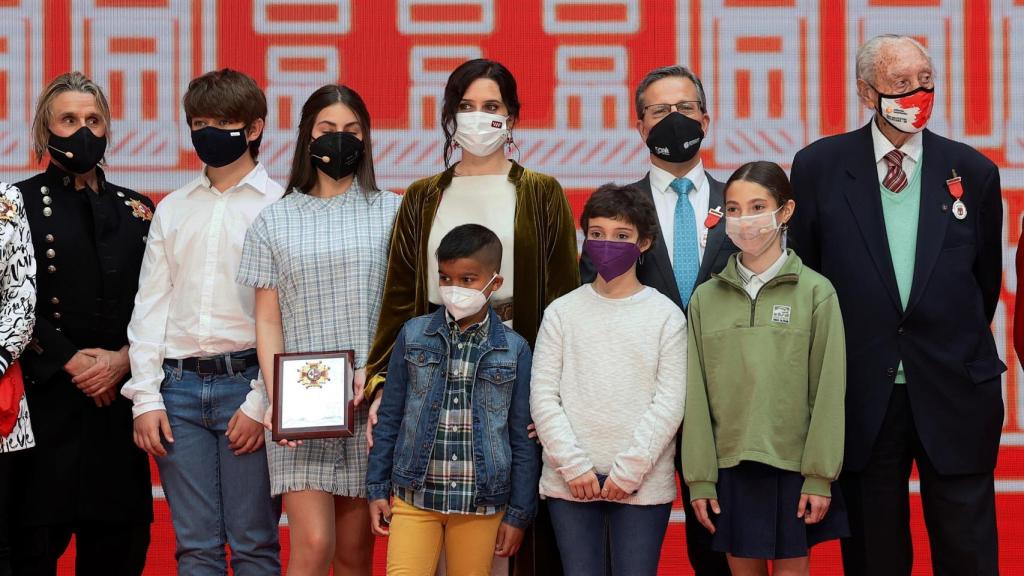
[(78, 153), (337, 154), (676, 138), (217, 147)]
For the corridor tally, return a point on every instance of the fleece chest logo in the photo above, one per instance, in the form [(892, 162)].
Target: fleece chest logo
[(781, 314)]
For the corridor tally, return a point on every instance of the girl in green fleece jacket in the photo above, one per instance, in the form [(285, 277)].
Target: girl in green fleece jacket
[(763, 432)]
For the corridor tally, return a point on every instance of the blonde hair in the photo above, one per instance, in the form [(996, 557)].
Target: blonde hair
[(67, 82)]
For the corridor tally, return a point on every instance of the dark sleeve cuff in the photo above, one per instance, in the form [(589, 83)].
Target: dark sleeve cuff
[(6, 359), (49, 351)]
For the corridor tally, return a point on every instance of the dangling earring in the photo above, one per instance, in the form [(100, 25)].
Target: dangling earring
[(641, 257), (510, 143)]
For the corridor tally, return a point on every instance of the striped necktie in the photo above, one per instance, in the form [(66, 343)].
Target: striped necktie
[(685, 255), (895, 178)]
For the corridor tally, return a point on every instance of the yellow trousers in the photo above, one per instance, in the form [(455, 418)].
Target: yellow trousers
[(417, 537)]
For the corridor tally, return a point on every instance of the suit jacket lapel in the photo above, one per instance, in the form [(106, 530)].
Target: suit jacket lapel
[(863, 194), (932, 219), (716, 235), (659, 257)]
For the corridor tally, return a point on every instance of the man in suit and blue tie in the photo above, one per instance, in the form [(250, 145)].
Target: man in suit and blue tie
[(672, 118), (907, 226)]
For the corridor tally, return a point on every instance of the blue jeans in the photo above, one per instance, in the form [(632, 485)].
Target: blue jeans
[(589, 534), (215, 496)]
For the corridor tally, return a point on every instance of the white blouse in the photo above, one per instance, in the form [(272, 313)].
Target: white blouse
[(486, 200)]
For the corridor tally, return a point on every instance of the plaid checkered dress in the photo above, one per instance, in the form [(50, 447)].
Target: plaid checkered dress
[(327, 258), (450, 484)]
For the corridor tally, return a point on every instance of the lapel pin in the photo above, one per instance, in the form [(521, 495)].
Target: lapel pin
[(714, 217)]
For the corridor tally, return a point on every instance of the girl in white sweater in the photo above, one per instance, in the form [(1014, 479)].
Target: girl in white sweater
[(609, 383)]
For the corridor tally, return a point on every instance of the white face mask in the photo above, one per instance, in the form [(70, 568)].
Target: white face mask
[(753, 234), (462, 302), (480, 133)]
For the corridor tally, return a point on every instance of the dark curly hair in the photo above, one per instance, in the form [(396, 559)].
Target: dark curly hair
[(624, 203)]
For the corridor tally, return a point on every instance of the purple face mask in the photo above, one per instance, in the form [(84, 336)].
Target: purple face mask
[(611, 259)]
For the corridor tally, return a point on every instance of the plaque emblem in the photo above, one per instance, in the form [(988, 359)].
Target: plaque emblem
[(314, 375)]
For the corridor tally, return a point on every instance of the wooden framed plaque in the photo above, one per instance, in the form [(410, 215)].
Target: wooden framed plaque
[(313, 395)]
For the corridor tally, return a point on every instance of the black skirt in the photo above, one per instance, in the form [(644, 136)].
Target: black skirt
[(758, 520)]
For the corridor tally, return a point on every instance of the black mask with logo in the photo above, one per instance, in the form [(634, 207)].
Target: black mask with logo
[(78, 153), (218, 147), (337, 154), (676, 138)]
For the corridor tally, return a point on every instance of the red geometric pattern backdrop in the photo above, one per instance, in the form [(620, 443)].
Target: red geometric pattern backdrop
[(779, 74)]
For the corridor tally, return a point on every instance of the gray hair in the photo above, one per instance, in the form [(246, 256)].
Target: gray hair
[(870, 53), (666, 72), (67, 82)]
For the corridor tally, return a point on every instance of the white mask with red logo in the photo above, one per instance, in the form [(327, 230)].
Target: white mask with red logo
[(480, 133), (907, 112)]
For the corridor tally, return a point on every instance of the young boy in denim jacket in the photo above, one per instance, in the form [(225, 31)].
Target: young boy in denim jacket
[(451, 441)]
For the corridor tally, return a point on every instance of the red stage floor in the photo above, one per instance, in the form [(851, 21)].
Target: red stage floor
[(824, 561)]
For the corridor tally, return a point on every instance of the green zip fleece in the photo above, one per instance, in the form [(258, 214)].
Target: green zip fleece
[(766, 378)]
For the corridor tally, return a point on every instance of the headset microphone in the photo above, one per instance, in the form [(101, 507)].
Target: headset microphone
[(68, 155)]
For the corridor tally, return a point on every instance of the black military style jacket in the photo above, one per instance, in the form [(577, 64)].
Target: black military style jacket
[(88, 247)]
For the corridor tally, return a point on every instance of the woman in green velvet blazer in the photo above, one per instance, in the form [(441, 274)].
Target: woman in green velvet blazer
[(480, 107)]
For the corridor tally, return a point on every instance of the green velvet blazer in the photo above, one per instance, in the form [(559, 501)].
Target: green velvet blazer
[(546, 260)]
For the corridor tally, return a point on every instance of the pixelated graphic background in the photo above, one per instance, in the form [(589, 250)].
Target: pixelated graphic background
[(779, 74)]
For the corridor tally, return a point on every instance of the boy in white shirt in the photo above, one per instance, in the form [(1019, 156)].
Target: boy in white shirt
[(193, 336)]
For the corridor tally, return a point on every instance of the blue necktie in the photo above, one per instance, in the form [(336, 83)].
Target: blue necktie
[(685, 256)]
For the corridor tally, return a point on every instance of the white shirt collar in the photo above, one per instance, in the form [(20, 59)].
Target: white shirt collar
[(912, 147), (256, 179), (747, 275), (661, 179)]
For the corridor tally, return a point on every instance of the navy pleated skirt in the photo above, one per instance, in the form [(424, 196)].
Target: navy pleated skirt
[(758, 520)]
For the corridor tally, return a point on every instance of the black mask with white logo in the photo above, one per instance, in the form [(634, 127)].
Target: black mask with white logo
[(337, 154), (218, 147), (676, 138), (78, 153)]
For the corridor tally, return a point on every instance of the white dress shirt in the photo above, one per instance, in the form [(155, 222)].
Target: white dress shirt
[(665, 203), (188, 303), (911, 152), (753, 283)]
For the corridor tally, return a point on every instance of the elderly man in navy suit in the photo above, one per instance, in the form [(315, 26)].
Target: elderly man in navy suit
[(907, 226)]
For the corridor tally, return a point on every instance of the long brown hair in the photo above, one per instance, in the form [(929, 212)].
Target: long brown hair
[(303, 174)]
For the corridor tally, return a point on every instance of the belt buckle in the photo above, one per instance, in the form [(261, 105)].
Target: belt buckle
[(203, 363)]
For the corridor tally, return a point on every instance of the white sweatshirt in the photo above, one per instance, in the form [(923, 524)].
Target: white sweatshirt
[(608, 391)]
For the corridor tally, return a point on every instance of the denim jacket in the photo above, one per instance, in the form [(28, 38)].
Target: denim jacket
[(506, 460)]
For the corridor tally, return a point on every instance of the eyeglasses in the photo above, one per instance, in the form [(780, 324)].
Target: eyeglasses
[(687, 107)]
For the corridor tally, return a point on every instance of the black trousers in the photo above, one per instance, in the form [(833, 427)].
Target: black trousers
[(959, 510), (100, 549), (704, 560), (6, 512)]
